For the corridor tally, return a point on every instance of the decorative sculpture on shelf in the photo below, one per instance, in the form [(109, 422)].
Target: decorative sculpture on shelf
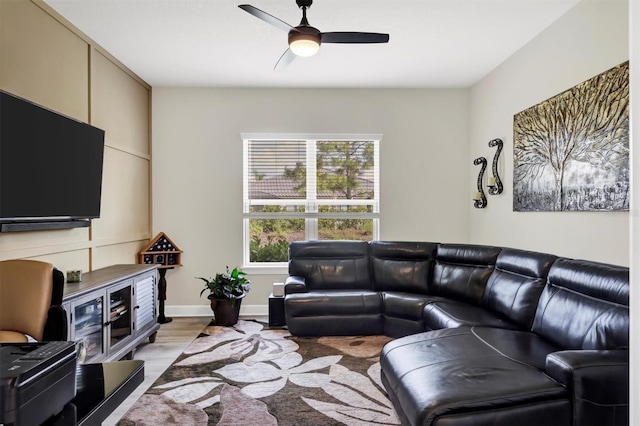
[(495, 184), (480, 200)]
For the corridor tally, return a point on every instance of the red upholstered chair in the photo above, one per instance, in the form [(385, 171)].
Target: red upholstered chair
[(30, 301)]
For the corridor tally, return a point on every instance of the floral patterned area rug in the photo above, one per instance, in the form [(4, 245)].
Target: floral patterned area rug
[(249, 374)]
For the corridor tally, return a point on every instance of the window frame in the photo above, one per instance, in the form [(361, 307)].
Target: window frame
[(311, 201)]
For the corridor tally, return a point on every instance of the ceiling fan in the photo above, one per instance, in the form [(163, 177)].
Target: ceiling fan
[(305, 40)]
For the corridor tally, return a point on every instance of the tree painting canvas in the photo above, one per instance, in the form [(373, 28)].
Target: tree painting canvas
[(571, 152)]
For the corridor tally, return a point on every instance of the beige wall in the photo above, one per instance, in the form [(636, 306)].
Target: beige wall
[(591, 38), (45, 59), (197, 168)]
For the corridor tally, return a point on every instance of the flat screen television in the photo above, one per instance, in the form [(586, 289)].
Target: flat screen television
[(50, 168)]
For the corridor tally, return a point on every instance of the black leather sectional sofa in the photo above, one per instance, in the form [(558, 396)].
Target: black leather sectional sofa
[(484, 335)]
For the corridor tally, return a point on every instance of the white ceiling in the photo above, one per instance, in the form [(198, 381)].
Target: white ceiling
[(213, 43)]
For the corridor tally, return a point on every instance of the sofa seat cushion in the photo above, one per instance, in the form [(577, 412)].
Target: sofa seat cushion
[(450, 314), (521, 346), (332, 302), (455, 374), (334, 313)]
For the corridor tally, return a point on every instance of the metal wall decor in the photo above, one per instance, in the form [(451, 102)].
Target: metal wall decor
[(571, 152), (495, 184), (480, 200)]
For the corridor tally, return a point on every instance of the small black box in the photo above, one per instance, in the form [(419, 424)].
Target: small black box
[(276, 311)]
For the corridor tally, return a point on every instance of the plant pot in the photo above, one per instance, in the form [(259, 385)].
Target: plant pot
[(224, 311)]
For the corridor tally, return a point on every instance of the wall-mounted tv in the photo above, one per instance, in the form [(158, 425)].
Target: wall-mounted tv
[(50, 168)]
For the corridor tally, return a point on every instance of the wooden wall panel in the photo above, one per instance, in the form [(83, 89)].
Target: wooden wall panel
[(65, 261), (34, 243), (125, 198), (118, 253), (46, 59), (120, 106), (43, 61)]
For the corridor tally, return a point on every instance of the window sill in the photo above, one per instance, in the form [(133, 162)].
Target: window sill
[(266, 269)]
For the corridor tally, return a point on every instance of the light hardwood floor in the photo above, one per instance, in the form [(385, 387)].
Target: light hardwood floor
[(171, 341)]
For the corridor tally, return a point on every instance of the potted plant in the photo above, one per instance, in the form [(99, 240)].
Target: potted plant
[(226, 291)]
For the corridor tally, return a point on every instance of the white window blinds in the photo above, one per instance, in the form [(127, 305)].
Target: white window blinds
[(309, 188)]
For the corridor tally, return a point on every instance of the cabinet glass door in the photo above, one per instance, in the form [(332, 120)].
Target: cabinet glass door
[(120, 315), (88, 330)]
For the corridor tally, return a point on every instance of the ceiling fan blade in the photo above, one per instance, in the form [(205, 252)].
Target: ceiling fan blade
[(354, 37), (287, 57), (270, 19)]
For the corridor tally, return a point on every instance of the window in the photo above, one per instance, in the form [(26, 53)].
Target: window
[(301, 187)]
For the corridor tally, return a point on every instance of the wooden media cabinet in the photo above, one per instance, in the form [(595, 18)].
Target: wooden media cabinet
[(111, 311)]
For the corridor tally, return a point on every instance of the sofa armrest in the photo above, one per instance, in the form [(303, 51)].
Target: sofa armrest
[(598, 381), (295, 284)]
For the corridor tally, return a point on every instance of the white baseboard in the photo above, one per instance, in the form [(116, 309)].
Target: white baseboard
[(205, 311)]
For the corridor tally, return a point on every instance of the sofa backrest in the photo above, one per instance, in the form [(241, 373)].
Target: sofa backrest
[(461, 271), (402, 266), (328, 265), (584, 305), (515, 285)]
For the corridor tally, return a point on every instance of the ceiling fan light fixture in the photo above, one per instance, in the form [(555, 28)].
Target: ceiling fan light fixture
[(304, 45), (305, 40)]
